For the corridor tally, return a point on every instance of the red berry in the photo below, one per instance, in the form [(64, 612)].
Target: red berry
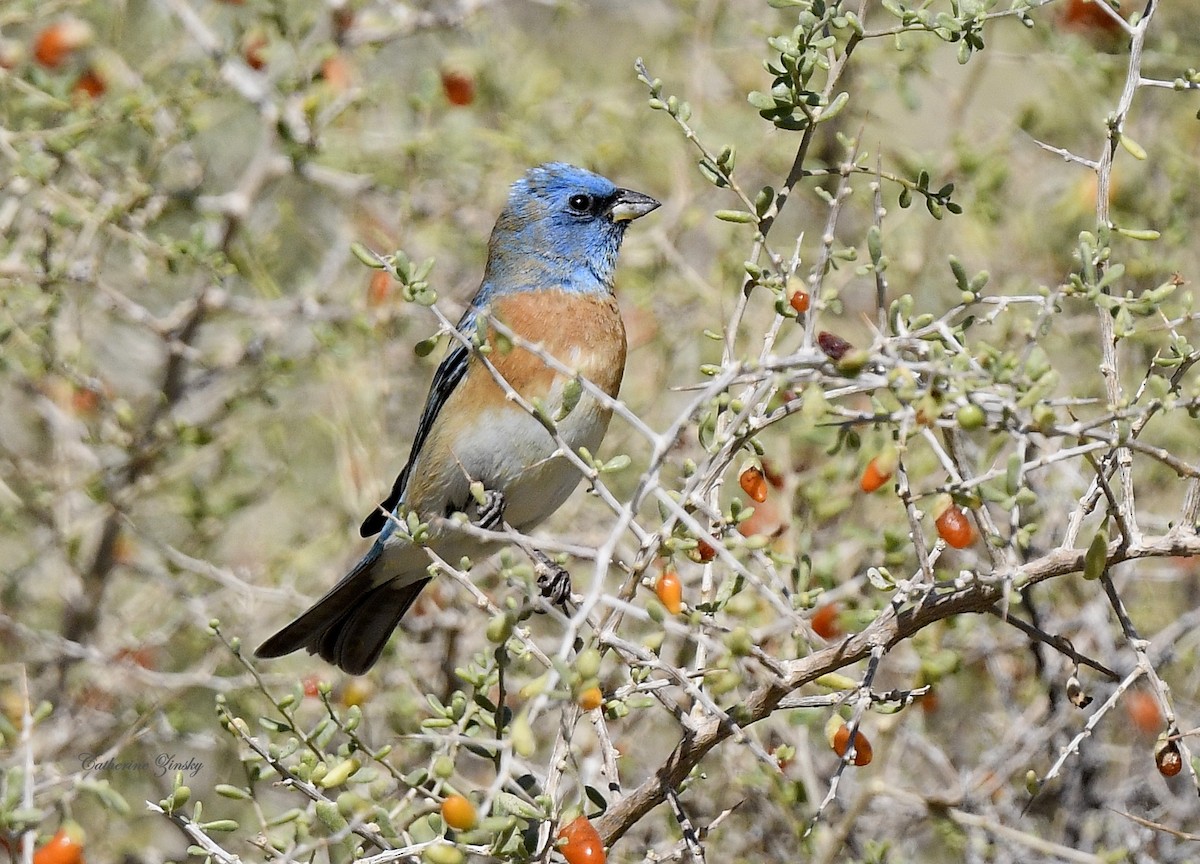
[(835, 347), (583, 844), (773, 476), (85, 400), (459, 87), (862, 747), (311, 685), (252, 50), (379, 288), (953, 525), (1143, 712), (59, 849), (705, 551), (1167, 758), (754, 484), (800, 301), (1086, 15), (825, 621), (929, 702), (90, 84)]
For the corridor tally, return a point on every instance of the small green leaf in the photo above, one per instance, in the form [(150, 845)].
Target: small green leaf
[(1096, 557), (835, 107), (960, 273), (572, 390), (365, 255), (875, 244), (425, 347), (736, 216), (1139, 233), (220, 825), (617, 463), (1133, 148)]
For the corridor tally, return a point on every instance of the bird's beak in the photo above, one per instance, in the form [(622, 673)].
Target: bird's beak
[(629, 205)]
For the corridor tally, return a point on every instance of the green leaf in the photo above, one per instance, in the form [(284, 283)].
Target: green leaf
[(835, 107), (617, 463), (736, 216), (365, 255)]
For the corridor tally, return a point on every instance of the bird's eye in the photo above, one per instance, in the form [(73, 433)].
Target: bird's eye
[(580, 203)]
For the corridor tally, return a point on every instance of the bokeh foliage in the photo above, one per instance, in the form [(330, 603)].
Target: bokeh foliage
[(203, 390)]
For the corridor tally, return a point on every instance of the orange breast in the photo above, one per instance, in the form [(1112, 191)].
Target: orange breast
[(584, 332)]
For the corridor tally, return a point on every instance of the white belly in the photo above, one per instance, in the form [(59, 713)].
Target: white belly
[(515, 455)]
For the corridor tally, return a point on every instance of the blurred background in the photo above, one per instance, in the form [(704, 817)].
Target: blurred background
[(203, 391)]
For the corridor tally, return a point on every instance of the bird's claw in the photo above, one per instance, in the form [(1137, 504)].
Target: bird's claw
[(490, 514), (553, 580)]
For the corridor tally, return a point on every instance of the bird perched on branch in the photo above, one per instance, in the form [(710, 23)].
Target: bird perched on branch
[(548, 279)]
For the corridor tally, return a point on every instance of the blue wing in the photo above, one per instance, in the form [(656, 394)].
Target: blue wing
[(448, 374)]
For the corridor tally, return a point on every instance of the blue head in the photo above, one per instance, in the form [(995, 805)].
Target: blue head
[(562, 228)]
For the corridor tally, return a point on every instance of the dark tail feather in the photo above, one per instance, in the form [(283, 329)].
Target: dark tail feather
[(355, 642), (350, 625)]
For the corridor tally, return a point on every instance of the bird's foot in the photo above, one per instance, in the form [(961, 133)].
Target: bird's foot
[(490, 514), (553, 579)]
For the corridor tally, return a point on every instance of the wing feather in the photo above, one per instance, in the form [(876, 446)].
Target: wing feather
[(448, 375)]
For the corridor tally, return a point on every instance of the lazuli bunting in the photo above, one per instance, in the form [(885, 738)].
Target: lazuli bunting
[(549, 278)]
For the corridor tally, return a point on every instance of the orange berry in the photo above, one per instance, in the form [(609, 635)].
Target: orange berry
[(825, 621), (1086, 15), (880, 469), (252, 50), (873, 476), (57, 42), (953, 524), (754, 484), (1143, 712), (59, 849), (356, 691), (800, 301), (929, 702), (145, 657), (459, 87), (379, 288), (862, 747), (459, 813), (591, 698), (767, 519), (336, 72), (670, 591), (90, 84), (85, 400), (583, 844)]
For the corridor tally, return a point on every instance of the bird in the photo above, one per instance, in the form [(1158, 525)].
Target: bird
[(549, 279)]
